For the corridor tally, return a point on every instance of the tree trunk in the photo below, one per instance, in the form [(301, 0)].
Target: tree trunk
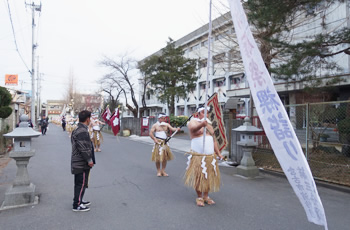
[(172, 105)]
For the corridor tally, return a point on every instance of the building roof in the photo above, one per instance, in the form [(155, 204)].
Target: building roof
[(56, 101)]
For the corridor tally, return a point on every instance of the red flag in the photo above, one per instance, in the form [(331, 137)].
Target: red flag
[(115, 122), (217, 119), (106, 115)]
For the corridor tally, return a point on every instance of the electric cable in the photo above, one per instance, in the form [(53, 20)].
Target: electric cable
[(14, 36)]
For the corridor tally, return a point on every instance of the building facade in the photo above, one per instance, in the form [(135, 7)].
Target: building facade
[(227, 76), (54, 108)]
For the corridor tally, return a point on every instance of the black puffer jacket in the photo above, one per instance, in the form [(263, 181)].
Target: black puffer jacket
[(82, 150)]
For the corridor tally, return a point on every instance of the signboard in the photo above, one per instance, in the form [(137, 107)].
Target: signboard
[(11, 79), (275, 121)]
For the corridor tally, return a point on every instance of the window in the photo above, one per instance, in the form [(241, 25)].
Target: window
[(202, 85), (203, 63), (181, 111), (196, 47), (220, 82), (205, 43), (192, 110), (235, 80)]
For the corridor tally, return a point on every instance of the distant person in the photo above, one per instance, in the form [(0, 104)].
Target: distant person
[(95, 134), (44, 123), (82, 161), (161, 152), (64, 123), (203, 173)]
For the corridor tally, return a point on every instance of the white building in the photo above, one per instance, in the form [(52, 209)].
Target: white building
[(227, 72)]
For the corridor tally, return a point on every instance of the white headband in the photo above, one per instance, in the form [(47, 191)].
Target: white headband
[(161, 115), (202, 108)]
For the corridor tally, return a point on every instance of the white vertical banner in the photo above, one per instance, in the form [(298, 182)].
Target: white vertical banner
[(275, 120)]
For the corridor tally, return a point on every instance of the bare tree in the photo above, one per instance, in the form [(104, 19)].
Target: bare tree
[(121, 71), (144, 83), (112, 89), (70, 88)]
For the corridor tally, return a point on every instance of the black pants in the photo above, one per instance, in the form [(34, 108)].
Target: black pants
[(80, 184), (64, 126), (43, 130)]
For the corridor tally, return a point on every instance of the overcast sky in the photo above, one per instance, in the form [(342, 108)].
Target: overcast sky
[(73, 35)]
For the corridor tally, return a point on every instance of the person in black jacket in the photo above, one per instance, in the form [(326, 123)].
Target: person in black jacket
[(82, 160), (44, 123), (64, 123)]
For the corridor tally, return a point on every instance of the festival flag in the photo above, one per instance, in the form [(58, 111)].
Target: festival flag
[(215, 116), (106, 115), (115, 122), (275, 121)]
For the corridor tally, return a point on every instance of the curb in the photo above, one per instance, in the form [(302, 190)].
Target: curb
[(333, 186)]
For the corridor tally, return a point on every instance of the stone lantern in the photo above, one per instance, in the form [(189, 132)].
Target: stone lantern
[(21, 193), (247, 132)]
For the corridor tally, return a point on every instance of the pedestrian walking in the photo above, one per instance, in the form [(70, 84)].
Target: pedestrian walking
[(203, 173), (161, 152), (44, 123), (82, 161), (63, 121)]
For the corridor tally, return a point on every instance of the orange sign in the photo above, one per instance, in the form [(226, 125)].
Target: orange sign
[(11, 79)]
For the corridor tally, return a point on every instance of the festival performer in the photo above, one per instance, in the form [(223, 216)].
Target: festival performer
[(71, 125), (202, 171), (96, 135), (161, 152)]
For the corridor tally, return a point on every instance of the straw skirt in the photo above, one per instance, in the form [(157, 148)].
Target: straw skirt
[(161, 152), (202, 173)]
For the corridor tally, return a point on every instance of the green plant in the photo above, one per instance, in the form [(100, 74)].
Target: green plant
[(5, 100), (177, 121), (5, 112), (344, 126)]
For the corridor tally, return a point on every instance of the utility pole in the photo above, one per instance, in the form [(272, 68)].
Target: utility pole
[(40, 78), (37, 91), (32, 109)]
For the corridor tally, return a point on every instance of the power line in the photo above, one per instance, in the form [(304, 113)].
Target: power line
[(14, 36)]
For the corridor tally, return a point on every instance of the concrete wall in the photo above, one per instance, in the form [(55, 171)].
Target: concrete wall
[(132, 124)]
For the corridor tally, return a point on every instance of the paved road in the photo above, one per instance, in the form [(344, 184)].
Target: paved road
[(126, 194)]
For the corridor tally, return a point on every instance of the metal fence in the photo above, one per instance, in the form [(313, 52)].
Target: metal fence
[(323, 130)]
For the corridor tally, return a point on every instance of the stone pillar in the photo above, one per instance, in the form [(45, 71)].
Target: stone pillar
[(22, 192), (247, 167)]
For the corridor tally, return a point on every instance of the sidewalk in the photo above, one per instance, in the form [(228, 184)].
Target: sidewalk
[(181, 142)]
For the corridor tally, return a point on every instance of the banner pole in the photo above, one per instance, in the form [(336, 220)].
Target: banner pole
[(208, 73)]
